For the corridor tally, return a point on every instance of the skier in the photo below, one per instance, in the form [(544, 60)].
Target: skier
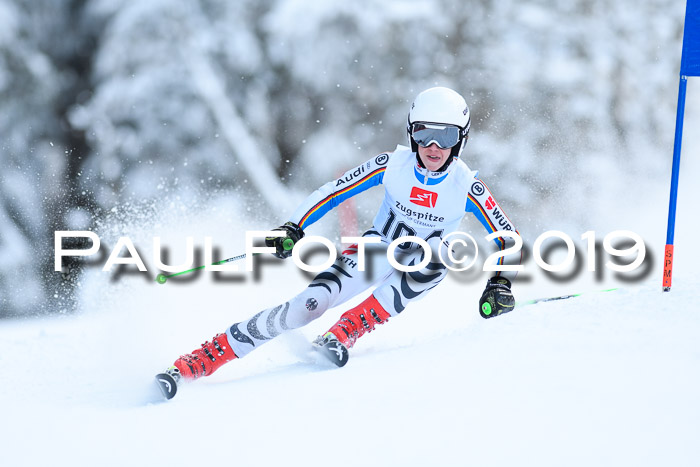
[(428, 189)]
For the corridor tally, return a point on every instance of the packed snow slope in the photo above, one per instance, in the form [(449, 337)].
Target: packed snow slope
[(602, 379)]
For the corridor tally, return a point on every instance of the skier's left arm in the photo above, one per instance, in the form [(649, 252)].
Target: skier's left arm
[(497, 297)]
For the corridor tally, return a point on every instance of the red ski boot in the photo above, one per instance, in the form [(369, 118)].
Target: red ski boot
[(335, 343), (205, 361), (355, 322)]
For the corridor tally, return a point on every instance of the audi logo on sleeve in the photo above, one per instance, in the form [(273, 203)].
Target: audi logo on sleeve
[(423, 197)]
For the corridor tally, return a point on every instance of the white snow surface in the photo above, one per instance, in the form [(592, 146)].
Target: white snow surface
[(604, 379)]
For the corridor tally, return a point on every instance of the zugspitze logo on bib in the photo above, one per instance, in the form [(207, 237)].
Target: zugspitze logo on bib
[(423, 197)]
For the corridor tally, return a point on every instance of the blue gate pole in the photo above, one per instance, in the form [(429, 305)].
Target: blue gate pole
[(668, 252)]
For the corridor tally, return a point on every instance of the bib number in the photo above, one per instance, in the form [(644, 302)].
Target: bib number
[(401, 229)]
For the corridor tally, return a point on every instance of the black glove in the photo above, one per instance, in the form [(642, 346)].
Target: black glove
[(497, 298), (284, 245)]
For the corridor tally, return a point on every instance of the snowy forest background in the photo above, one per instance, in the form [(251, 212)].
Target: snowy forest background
[(112, 104)]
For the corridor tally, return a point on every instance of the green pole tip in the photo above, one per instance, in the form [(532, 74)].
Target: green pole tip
[(161, 278), (288, 244), (486, 308)]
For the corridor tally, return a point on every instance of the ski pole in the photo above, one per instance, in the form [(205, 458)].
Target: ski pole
[(551, 299), (161, 278)]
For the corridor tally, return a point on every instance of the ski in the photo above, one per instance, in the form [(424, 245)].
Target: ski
[(167, 382), (332, 349)]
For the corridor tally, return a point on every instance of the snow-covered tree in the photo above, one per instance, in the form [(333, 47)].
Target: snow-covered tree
[(36, 190)]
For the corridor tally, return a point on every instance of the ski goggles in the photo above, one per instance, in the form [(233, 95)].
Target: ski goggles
[(426, 134)]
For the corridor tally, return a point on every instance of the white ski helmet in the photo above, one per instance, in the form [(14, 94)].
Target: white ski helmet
[(447, 117)]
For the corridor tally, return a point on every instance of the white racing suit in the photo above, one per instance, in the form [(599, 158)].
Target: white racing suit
[(417, 202)]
